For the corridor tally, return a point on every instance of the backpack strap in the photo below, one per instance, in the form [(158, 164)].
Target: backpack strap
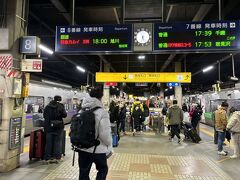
[(96, 108)]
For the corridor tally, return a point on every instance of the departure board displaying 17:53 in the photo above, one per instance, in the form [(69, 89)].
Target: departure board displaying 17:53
[(94, 38), (224, 35)]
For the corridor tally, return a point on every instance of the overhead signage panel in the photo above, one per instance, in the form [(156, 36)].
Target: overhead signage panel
[(94, 38), (181, 77), (197, 36)]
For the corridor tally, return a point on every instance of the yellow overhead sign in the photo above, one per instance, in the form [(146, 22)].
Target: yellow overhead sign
[(181, 77)]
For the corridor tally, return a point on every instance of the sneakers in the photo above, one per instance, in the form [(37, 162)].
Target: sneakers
[(58, 160), (46, 162), (233, 156), (180, 140), (222, 153)]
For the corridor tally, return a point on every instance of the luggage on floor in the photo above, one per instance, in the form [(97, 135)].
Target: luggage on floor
[(191, 133), (114, 140), (37, 144), (194, 135)]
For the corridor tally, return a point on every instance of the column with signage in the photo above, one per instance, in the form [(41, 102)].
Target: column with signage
[(10, 88), (178, 89), (106, 89)]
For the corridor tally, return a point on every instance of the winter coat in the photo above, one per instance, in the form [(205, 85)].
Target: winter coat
[(146, 110), (220, 119), (135, 104), (234, 122), (196, 114), (122, 114), (102, 126), (53, 111), (164, 111), (114, 113), (175, 115), (138, 116)]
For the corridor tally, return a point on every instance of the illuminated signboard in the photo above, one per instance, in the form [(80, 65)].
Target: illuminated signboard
[(92, 38), (139, 77), (194, 36)]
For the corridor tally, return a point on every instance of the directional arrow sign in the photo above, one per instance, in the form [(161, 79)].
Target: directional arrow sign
[(180, 77)]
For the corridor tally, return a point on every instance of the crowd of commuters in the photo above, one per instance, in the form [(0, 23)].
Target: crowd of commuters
[(139, 113)]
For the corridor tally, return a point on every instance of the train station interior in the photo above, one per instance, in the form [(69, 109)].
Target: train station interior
[(145, 59)]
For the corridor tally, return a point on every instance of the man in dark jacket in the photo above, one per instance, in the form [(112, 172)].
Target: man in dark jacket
[(122, 118), (53, 114)]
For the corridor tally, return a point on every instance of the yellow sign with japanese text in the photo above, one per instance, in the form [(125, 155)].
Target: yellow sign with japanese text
[(181, 77)]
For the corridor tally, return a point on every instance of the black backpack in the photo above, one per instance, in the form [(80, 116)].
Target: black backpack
[(82, 134)]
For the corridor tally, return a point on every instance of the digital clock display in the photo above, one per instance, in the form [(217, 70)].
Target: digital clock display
[(197, 36), (94, 38)]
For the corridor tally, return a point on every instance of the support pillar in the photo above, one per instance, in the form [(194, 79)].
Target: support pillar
[(178, 89), (12, 105), (106, 89)]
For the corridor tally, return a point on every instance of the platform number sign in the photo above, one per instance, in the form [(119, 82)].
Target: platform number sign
[(29, 44)]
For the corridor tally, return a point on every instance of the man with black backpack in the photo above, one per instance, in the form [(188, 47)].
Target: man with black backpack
[(91, 136), (53, 114)]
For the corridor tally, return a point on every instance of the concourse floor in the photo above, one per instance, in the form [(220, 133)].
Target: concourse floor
[(144, 157)]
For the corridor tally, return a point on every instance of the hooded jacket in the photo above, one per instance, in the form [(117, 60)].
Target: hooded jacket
[(234, 122), (53, 111), (220, 119), (102, 126), (175, 115), (137, 103)]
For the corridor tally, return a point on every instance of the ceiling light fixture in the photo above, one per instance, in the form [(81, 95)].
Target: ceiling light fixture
[(56, 84), (45, 49), (81, 69), (141, 57), (207, 69)]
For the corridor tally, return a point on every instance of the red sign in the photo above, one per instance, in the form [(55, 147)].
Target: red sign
[(37, 65), (6, 61), (111, 84)]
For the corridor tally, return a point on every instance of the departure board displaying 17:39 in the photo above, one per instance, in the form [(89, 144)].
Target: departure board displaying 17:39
[(94, 38), (194, 36)]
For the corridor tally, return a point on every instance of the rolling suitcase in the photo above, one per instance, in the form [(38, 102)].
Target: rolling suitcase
[(194, 135), (191, 133), (37, 144)]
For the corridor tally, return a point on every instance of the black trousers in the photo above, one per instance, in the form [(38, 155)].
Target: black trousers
[(53, 147), (85, 161), (175, 130)]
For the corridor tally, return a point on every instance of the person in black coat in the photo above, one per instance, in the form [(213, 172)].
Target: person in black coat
[(138, 118), (196, 116), (122, 118), (53, 114)]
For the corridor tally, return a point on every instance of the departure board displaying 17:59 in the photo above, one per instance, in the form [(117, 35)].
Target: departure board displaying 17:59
[(194, 36), (94, 38)]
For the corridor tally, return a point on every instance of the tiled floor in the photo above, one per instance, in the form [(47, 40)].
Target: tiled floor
[(144, 157), (140, 167)]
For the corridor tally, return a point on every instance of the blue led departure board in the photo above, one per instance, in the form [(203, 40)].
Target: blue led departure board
[(197, 36), (94, 38)]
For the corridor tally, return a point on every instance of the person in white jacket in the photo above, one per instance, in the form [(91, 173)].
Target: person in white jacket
[(234, 127), (103, 132)]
